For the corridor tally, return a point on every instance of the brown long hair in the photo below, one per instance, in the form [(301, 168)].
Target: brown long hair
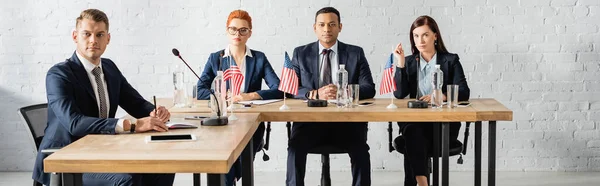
[(426, 20)]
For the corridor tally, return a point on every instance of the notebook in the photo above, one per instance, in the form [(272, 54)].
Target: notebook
[(180, 125)]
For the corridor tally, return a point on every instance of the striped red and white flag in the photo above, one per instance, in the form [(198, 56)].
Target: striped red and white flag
[(388, 84), (237, 79), (289, 79)]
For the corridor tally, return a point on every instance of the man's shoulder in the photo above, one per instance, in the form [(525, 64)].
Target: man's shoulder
[(350, 47), (61, 67), (305, 47)]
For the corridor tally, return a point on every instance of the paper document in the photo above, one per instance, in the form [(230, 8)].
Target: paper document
[(180, 125), (259, 102)]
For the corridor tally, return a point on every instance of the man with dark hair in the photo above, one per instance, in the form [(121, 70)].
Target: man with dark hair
[(316, 63), (83, 94)]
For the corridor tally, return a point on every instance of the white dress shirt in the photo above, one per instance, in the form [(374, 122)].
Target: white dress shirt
[(89, 66), (240, 64), (333, 60), (426, 75)]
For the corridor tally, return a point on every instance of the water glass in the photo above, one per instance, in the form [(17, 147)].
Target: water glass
[(452, 96), (353, 95)]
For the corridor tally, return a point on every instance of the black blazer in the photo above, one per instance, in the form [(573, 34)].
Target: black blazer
[(72, 107), (406, 78)]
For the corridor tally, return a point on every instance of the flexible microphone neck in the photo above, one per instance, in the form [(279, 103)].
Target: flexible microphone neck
[(418, 58), (176, 53)]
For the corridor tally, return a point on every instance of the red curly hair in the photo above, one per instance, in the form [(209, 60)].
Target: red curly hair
[(239, 14)]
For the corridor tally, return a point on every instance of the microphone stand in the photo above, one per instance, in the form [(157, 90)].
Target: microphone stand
[(210, 121)]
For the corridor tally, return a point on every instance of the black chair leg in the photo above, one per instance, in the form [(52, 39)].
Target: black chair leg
[(325, 174)]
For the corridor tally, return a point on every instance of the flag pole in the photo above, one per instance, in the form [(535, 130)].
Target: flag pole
[(284, 106), (231, 105)]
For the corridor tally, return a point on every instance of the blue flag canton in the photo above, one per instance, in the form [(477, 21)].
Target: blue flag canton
[(287, 63), (390, 62)]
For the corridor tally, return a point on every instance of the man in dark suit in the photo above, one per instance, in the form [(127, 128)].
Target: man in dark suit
[(316, 65), (83, 94)]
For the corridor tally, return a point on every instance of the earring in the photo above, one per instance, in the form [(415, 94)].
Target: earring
[(435, 42)]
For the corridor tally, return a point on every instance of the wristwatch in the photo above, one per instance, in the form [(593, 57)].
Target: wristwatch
[(132, 125)]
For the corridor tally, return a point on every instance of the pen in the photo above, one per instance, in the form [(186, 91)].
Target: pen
[(155, 106)]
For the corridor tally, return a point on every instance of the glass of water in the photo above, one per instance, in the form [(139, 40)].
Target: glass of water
[(452, 96), (353, 94)]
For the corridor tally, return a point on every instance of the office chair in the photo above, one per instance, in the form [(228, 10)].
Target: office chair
[(36, 119), (456, 147), (324, 150)]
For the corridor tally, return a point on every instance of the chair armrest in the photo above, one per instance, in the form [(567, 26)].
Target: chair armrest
[(49, 151)]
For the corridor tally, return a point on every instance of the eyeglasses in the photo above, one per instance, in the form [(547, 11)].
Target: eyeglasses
[(243, 31)]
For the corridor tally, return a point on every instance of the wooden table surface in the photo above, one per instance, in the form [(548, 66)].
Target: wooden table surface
[(214, 151), (483, 109)]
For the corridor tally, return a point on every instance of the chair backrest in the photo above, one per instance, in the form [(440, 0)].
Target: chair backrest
[(36, 119)]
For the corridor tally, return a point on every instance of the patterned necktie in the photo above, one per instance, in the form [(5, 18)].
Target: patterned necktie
[(97, 71), (326, 67)]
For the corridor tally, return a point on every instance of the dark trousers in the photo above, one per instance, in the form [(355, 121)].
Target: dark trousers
[(236, 169), (351, 137), (418, 139), (125, 179)]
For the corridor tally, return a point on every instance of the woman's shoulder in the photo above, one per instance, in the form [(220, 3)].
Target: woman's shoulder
[(257, 54), (449, 56), (217, 53)]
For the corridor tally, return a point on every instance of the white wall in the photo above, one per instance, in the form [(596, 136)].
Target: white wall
[(538, 57)]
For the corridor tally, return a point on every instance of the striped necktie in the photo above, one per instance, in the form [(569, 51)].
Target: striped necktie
[(101, 97)]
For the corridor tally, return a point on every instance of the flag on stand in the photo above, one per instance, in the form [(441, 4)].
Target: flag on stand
[(388, 83), (234, 73), (289, 79)]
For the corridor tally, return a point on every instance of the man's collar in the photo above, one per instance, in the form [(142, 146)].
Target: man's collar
[(89, 66), (333, 48)]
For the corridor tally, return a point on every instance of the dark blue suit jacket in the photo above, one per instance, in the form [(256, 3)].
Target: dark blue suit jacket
[(406, 82), (406, 78), (73, 110), (257, 69), (306, 64)]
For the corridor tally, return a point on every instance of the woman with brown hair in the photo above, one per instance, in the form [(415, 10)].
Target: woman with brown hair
[(414, 77)]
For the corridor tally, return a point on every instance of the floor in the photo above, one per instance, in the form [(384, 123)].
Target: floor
[(381, 178)]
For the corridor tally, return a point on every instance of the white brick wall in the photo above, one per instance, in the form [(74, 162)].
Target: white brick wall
[(538, 57)]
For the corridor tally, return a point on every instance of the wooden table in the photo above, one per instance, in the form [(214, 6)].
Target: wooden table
[(214, 152), (480, 110)]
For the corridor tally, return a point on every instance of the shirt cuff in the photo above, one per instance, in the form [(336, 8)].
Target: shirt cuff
[(119, 127)]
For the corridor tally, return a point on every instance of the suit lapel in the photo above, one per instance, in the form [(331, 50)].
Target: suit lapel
[(250, 66), (343, 60), (82, 76), (112, 85), (443, 62), (313, 55)]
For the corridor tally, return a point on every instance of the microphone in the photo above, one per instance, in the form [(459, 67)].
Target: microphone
[(417, 103), (176, 53), (211, 121)]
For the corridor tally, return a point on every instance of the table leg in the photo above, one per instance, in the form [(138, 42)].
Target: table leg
[(215, 179), (248, 164), (492, 154), (72, 179), (445, 152), (436, 154), (477, 153), (197, 179)]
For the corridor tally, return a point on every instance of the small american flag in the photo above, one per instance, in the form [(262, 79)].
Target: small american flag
[(387, 82), (289, 79), (236, 77)]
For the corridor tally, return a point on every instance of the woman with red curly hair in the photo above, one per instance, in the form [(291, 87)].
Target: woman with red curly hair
[(253, 66)]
